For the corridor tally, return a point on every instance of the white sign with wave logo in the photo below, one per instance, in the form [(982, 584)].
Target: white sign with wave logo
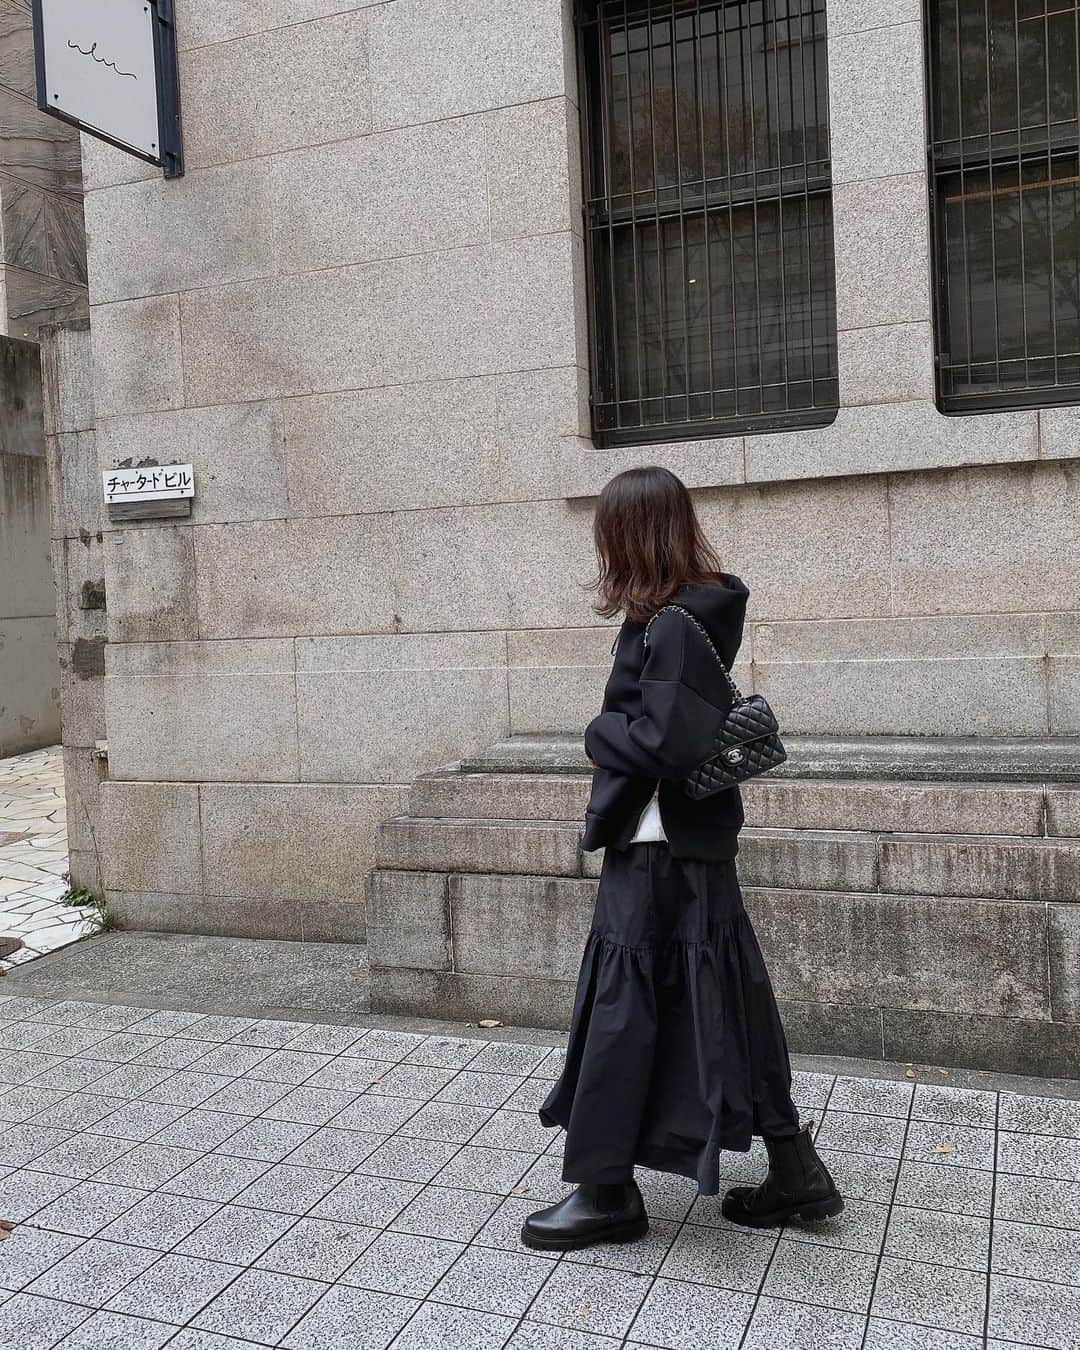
[(96, 67)]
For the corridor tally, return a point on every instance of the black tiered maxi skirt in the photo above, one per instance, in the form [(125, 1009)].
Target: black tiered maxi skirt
[(676, 1047)]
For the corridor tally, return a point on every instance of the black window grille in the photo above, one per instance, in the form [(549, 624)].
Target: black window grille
[(1004, 86), (708, 217)]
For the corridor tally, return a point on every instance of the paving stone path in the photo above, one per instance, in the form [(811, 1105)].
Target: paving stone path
[(212, 1182), (34, 857)]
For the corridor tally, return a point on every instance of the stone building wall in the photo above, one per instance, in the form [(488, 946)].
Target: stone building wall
[(42, 245), (361, 315)]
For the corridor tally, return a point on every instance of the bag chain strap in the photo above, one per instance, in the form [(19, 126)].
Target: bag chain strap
[(704, 633)]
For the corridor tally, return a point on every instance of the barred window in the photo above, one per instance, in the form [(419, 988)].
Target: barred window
[(1004, 102), (708, 217)]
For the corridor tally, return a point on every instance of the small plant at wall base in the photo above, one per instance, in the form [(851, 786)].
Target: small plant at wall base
[(78, 897)]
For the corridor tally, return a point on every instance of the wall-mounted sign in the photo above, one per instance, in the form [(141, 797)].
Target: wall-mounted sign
[(109, 67), (149, 490)]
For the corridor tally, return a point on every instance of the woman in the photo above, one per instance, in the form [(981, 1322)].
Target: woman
[(676, 1048)]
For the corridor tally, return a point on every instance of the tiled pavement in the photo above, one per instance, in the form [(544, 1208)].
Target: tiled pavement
[(34, 857), (217, 1182)]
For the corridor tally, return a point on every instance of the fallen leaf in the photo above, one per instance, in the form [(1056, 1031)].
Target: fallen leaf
[(944, 1073), (945, 1147), (359, 976), (379, 1079), (7, 1225), (583, 1311), (4, 1234), (519, 1190), (487, 1022), (909, 1073)]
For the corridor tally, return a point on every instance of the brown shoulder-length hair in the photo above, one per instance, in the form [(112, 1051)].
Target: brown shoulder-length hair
[(649, 542)]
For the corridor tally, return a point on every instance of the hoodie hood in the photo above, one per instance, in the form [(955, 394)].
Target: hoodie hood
[(721, 608)]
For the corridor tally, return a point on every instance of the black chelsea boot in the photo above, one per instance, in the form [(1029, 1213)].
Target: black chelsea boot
[(591, 1214), (797, 1186)]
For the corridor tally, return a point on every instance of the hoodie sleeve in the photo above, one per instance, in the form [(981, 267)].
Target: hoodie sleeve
[(676, 728)]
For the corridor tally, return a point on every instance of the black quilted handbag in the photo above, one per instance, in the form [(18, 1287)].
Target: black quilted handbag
[(747, 744)]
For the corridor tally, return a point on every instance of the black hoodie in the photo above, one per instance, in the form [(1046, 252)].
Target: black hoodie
[(663, 704)]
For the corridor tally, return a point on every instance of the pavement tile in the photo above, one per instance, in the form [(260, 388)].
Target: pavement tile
[(82, 1156), (376, 1115), (949, 1145), (21, 1144), (339, 1149), (507, 1058), (20, 1067), (308, 1105), (187, 1087), (434, 1326), (381, 1043), (200, 1131), (79, 1111), (935, 1296), (1051, 1201), (290, 1190), (666, 1196), (160, 1221), (644, 1257), (351, 1317), (29, 1252), (800, 1326), (811, 1089), (503, 1229), (826, 1275), (271, 1033), (1039, 1115), (514, 1130), (261, 1306), (956, 1190), (174, 1289), (544, 1180), (31, 1323), (439, 1212), (859, 1228), (229, 1059), (316, 1249), (885, 1335), (216, 1028), (93, 1272), (266, 1140), (327, 1040), (26, 1193), (494, 1281), (215, 1177), (1037, 1155), (70, 1041), (117, 1331), (945, 1239), (86, 1208), (20, 1103), (1036, 1252), (443, 1120), (136, 1080), (403, 1263), (536, 1336), (236, 1234), (408, 1159), (122, 1047), (167, 1022), (856, 1133), (716, 1256), (248, 1097), (288, 1066), (478, 1089), (872, 1096), (445, 1052), (691, 1317), (71, 1075), (954, 1106), (350, 1073), (1033, 1312), (860, 1176), (590, 1298), (371, 1201), (496, 1171), (417, 1081), (173, 1053), (148, 1165)]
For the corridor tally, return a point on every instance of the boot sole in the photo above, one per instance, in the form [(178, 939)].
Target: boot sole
[(624, 1232), (812, 1213)]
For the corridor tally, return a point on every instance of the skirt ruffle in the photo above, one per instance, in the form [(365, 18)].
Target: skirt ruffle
[(676, 1048)]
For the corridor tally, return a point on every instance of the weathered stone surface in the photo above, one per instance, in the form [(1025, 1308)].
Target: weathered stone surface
[(67, 377), (150, 584), (808, 550), (1064, 702), (211, 227), (153, 837), (215, 916), (137, 364), (443, 693), (1024, 869), (84, 870), (876, 102), (83, 775), (531, 847), (500, 796), (30, 714), (882, 252), (556, 677), (468, 998), (284, 578), (75, 491), (238, 454), (896, 639), (307, 842), (1064, 923), (448, 562), (104, 165), (528, 927), (411, 445), (806, 860), (832, 1029), (887, 364), (487, 309), (978, 540), (903, 807), (1063, 810), (1059, 433), (81, 690), (855, 16), (79, 572), (432, 59), (883, 436), (1009, 1044), (204, 25), (408, 920), (209, 711), (300, 85), (905, 952), (417, 190), (534, 168)]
